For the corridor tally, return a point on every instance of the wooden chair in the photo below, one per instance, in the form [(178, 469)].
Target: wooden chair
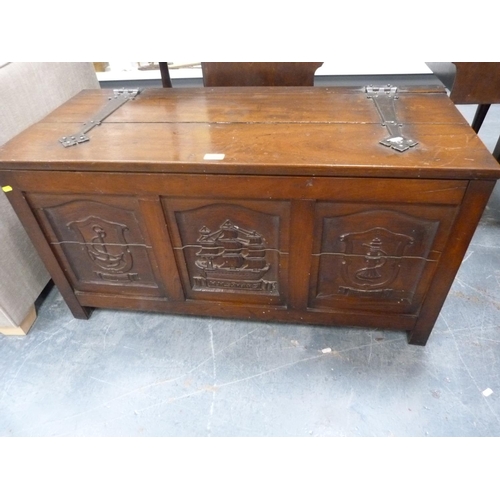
[(477, 83), (472, 83), (238, 74), (252, 74)]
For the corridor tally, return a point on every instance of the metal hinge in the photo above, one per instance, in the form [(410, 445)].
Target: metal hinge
[(119, 98), (384, 98)]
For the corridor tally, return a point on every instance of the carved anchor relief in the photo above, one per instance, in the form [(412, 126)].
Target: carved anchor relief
[(106, 248), (372, 261), (232, 257)]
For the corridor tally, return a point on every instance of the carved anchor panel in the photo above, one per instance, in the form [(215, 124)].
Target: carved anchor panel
[(100, 241), (106, 248)]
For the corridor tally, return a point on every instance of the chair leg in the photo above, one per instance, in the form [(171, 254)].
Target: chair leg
[(165, 75), (478, 120), (496, 151)]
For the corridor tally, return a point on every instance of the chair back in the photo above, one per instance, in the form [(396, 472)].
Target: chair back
[(239, 74), (476, 83)]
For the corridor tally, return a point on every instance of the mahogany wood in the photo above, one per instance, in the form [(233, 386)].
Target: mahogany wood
[(154, 222), (476, 83), (260, 131), (302, 214), (240, 74), (230, 74), (472, 208), (253, 312), (307, 218)]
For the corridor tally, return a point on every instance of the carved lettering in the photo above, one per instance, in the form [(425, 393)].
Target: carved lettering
[(384, 293), (117, 277)]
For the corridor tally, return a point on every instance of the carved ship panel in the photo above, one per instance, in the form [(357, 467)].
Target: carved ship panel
[(232, 258), (225, 250)]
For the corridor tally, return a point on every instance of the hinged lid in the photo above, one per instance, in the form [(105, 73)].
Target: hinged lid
[(338, 131)]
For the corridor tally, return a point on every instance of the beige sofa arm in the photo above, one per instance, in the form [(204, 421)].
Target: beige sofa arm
[(28, 92)]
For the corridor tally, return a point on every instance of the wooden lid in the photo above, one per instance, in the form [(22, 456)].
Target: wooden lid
[(259, 130)]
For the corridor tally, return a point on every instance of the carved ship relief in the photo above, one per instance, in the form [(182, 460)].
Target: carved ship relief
[(373, 261), (106, 248), (232, 258)]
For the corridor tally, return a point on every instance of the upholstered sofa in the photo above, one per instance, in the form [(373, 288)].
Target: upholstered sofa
[(28, 92)]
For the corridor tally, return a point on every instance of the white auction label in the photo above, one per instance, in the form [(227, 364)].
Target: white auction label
[(213, 156)]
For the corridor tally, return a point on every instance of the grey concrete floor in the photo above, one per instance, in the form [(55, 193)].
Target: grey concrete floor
[(138, 374)]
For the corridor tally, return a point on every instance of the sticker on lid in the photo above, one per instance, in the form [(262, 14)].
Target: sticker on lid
[(6, 189), (214, 156)]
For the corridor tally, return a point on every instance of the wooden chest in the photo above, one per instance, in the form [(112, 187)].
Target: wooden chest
[(278, 204)]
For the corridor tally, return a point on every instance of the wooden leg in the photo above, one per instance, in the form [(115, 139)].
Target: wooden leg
[(419, 336), (478, 120), (24, 327), (165, 75), (496, 151), (472, 208)]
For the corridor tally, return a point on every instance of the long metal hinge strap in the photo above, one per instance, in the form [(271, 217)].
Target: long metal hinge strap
[(384, 99), (120, 97)]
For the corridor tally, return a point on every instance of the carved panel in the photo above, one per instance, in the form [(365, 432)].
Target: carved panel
[(61, 214), (100, 244), (373, 258), (232, 257), (228, 249), (394, 227), (106, 247)]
